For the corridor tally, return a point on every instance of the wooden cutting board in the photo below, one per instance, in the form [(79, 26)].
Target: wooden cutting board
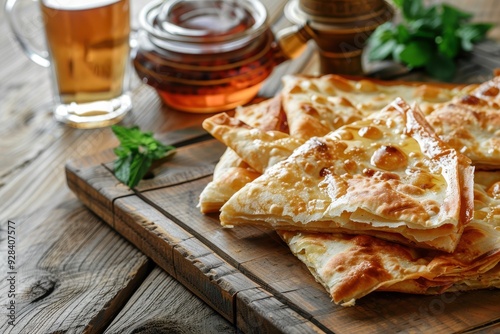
[(248, 274)]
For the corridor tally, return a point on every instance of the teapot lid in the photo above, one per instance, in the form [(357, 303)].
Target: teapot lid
[(203, 26)]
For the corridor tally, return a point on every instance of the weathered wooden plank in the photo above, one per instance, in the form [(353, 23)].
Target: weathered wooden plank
[(155, 235), (259, 312), (162, 305), (270, 264), (180, 254), (452, 312), (71, 274), (191, 262), (95, 185), (236, 246)]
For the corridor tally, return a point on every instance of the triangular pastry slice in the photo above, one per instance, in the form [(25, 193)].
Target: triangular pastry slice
[(230, 175), (317, 105), (231, 172), (265, 115), (260, 149), (314, 111), (350, 266), (471, 124), (388, 176)]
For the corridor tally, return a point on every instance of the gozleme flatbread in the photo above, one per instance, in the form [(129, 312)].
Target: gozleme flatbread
[(231, 172), (230, 175), (471, 124), (351, 266), (388, 176), (266, 115), (260, 149), (317, 105), (489, 91)]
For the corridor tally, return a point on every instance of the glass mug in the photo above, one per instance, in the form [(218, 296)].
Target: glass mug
[(88, 55)]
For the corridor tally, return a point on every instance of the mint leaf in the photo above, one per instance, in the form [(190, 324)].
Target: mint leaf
[(472, 33), (139, 166), (396, 54), (382, 50), (122, 168), (442, 68), (416, 53), (412, 9), (429, 37), (452, 16), (448, 44), (136, 153), (398, 3), (403, 35)]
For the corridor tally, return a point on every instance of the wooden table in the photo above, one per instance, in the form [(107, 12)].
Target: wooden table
[(73, 273)]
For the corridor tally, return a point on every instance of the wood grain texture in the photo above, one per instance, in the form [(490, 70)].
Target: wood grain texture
[(33, 151), (197, 267), (260, 256), (73, 272), (161, 305), (260, 312)]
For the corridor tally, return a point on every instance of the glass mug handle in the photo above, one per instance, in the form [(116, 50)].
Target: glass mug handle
[(40, 57)]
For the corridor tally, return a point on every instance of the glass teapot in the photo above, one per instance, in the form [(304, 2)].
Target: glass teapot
[(209, 55), (214, 55)]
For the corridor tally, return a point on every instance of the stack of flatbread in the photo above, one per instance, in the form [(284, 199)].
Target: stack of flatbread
[(386, 186)]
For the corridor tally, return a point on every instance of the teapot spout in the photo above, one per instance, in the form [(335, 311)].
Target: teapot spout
[(292, 41)]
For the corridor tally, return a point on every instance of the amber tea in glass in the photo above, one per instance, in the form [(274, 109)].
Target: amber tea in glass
[(88, 55)]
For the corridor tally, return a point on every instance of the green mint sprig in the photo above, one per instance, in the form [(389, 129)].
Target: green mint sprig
[(430, 38), (136, 153)]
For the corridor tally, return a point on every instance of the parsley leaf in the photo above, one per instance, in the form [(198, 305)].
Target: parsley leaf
[(136, 153), (430, 38)]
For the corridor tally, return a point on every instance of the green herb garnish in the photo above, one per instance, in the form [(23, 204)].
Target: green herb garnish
[(430, 38), (136, 153)]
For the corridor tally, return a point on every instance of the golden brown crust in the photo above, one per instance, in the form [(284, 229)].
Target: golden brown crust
[(266, 115), (349, 267), (317, 105), (260, 149), (230, 175), (232, 172), (470, 124), (357, 258), (218, 192), (329, 184)]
